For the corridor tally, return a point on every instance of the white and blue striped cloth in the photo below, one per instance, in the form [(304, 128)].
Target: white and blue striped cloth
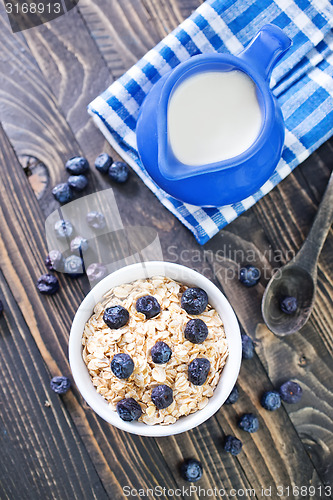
[(302, 82)]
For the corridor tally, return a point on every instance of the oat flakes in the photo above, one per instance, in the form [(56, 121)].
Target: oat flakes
[(100, 344)]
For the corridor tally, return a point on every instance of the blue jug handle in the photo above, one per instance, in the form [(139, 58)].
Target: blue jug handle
[(266, 49)]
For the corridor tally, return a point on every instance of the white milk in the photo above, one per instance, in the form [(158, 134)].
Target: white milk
[(213, 116)]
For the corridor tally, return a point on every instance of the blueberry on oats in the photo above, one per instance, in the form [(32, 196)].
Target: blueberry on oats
[(162, 396), (116, 316), (129, 410), (160, 353), (122, 365), (194, 300), (148, 306), (198, 371)]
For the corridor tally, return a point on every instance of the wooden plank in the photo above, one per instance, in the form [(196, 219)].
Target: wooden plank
[(116, 455), (134, 213), (38, 443), (306, 356), (124, 31), (138, 212)]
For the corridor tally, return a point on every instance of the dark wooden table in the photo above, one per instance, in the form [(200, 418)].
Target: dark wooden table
[(55, 447)]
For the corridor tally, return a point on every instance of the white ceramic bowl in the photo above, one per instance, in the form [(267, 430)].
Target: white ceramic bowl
[(188, 277)]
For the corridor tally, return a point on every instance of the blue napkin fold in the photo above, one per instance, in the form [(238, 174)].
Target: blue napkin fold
[(302, 82)]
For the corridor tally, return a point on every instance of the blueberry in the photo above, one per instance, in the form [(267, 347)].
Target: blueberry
[(1, 308), (77, 165), (191, 470), (288, 305), (54, 261), (162, 396), (194, 300), (63, 229), (96, 271), (232, 445), (119, 172), (122, 365), (233, 396), (247, 347), (160, 353), (271, 400), (248, 422), (290, 392), (116, 316), (96, 220), (79, 245), (129, 410), (196, 331), (249, 275), (198, 371), (103, 162), (148, 306), (73, 266), (62, 193), (77, 182), (48, 284), (60, 385)]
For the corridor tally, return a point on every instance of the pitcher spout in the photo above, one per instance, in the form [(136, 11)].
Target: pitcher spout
[(266, 49)]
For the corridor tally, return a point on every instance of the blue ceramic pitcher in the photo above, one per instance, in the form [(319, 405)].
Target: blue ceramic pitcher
[(230, 180)]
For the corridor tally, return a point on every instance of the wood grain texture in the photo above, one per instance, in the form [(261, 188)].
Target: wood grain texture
[(22, 248), (35, 429), (60, 67), (305, 356)]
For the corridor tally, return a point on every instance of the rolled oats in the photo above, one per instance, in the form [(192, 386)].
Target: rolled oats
[(100, 344)]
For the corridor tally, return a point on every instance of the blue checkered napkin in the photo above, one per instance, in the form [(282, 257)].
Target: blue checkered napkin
[(302, 82)]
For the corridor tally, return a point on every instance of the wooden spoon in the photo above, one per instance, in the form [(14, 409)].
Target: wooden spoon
[(298, 278)]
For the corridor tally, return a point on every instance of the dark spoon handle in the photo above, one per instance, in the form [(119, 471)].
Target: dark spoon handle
[(308, 255)]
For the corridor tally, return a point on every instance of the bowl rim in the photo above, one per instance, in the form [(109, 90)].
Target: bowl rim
[(149, 269)]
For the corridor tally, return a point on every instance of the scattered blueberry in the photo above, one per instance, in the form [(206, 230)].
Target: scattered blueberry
[(77, 165), (129, 410), (191, 470), (232, 445), (103, 163), (288, 305), (96, 220), (79, 245), (198, 371), (271, 400), (48, 284), (116, 316), (162, 396), (233, 396), (62, 193), (194, 300), (119, 172), (77, 182), (96, 271), (249, 275), (1, 308), (63, 229), (247, 347), (148, 306), (290, 392), (122, 365), (54, 261), (196, 331), (248, 422), (60, 385), (73, 266), (160, 353)]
